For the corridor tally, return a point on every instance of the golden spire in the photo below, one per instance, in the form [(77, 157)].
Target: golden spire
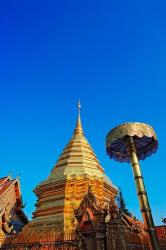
[(78, 129)]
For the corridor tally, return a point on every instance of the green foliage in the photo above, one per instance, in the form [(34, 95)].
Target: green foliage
[(121, 203)]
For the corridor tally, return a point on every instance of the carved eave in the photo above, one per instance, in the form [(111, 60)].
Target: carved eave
[(22, 215), (91, 206)]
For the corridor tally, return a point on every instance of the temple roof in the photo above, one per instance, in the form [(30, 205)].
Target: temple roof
[(12, 216)]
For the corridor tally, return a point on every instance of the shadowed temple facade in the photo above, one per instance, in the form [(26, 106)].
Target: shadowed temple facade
[(12, 217), (75, 208)]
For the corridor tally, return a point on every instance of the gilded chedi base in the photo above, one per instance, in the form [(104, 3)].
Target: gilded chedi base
[(76, 170)]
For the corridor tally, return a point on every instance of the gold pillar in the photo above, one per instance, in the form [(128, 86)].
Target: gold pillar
[(143, 199)]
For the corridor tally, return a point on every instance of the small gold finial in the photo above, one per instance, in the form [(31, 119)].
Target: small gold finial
[(78, 129)]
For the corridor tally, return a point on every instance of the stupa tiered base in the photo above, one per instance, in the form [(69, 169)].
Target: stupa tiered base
[(76, 170)]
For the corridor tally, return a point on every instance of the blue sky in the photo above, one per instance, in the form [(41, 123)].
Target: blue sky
[(111, 55)]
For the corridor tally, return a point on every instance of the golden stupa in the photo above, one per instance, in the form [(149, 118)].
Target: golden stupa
[(61, 193)]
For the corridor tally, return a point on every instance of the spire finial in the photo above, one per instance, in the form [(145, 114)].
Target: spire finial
[(78, 129), (79, 107)]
